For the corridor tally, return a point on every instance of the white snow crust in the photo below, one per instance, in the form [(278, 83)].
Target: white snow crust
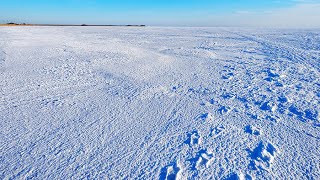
[(159, 103)]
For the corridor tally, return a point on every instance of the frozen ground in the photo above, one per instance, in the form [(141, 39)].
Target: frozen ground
[(159, 103)]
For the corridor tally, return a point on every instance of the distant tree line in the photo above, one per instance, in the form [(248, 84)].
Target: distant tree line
[(12, 23)]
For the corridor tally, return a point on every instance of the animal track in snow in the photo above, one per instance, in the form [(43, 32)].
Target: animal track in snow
[(253, 130), (193, 138), (170, 172), (263, 156)]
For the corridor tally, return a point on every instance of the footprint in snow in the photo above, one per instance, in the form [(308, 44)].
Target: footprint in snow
[(263, 156), (170, 172), (228, 76), (208, 103), (238, 176), (206, 117), (224, 110), (202, 160), (271, 75), (216, 131), (228, 96), (269, 106), (193, 138), (253, 130)]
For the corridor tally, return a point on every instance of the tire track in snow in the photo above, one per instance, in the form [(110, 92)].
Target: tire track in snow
[(2, 58), (275, 50), (288, 55)]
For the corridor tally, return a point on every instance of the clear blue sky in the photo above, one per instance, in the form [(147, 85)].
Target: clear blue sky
[(155, 12)]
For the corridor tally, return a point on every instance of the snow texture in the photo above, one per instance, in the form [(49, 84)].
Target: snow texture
[(159, 103)]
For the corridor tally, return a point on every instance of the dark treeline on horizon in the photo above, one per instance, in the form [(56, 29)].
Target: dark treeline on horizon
[(25, 24)]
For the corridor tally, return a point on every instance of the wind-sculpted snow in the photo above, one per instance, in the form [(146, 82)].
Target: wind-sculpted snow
[(159, 103)]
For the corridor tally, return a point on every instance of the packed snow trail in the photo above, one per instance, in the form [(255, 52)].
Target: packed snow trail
[(159, 103)]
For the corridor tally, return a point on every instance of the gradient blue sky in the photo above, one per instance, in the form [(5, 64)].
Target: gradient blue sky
[(298, 13)]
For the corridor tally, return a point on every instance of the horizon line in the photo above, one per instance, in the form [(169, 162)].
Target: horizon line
[(27, 24)]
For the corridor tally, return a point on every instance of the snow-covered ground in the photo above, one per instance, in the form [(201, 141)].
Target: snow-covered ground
[(159, 103)]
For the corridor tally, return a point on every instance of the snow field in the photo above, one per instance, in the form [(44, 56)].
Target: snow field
[(159, 103)]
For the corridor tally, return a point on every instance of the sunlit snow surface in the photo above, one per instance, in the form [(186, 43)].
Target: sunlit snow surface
[(159, 103)]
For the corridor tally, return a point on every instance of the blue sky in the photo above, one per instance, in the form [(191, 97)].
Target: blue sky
[(164, 12)]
